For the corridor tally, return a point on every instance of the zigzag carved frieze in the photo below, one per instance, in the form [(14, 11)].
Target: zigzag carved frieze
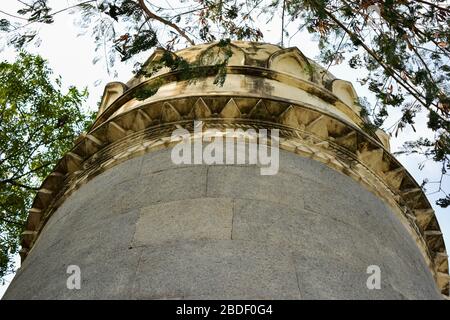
[(307, 132)]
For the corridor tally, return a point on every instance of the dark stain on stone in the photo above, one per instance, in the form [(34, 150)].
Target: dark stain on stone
[(258, 85)]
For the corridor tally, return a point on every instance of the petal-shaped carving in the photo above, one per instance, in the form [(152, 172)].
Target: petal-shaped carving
[(434, 239), (44, 197), (73, 161), (318, 127), (289, 117), (230, 110), (34, 218), (115, 132), (141, 121), (441, 261), (373, 159), (395, 177), (293, 62), (53, 180), (28, 237), (92, 144), (423, 217), (336, 128), (259, 111), (200, 110), (305, 116), (348, 140), (442, 280), (169, 113), (412, 196)]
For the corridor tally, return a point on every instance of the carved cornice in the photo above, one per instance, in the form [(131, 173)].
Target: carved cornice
[(325, 94), (316, 134)]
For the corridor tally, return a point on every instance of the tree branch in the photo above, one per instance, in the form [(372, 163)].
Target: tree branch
[(417, 95), (12, 222), (13, 16), (433, 5), (18, 184), (151, 15), (52, 14)]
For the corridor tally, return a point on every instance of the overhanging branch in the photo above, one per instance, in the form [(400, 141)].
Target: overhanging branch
[(390, 71), (153, 16)]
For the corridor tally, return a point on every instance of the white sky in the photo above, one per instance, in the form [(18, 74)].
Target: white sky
[(71, 57)]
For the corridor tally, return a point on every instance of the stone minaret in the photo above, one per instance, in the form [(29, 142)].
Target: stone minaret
[(140, 226)]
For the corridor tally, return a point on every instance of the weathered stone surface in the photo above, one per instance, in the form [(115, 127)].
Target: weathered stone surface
[(314, 171), (324, 276), (115, 175), (163, 186), (247, 183), (216, 269), (205, 218), (295, 228), (223, 232), (105, 275), (157, 161), (106, 279)]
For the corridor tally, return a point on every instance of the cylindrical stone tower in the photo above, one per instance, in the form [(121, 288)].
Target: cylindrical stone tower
[(339, 210)]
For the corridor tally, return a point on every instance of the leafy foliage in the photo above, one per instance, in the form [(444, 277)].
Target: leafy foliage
[(38, 122), (210, 63)]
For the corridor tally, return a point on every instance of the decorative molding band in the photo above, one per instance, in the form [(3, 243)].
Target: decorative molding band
[(304, 131), (327, 95)]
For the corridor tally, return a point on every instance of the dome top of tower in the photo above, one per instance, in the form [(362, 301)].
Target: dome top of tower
[(250, 54), (252, 69)]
